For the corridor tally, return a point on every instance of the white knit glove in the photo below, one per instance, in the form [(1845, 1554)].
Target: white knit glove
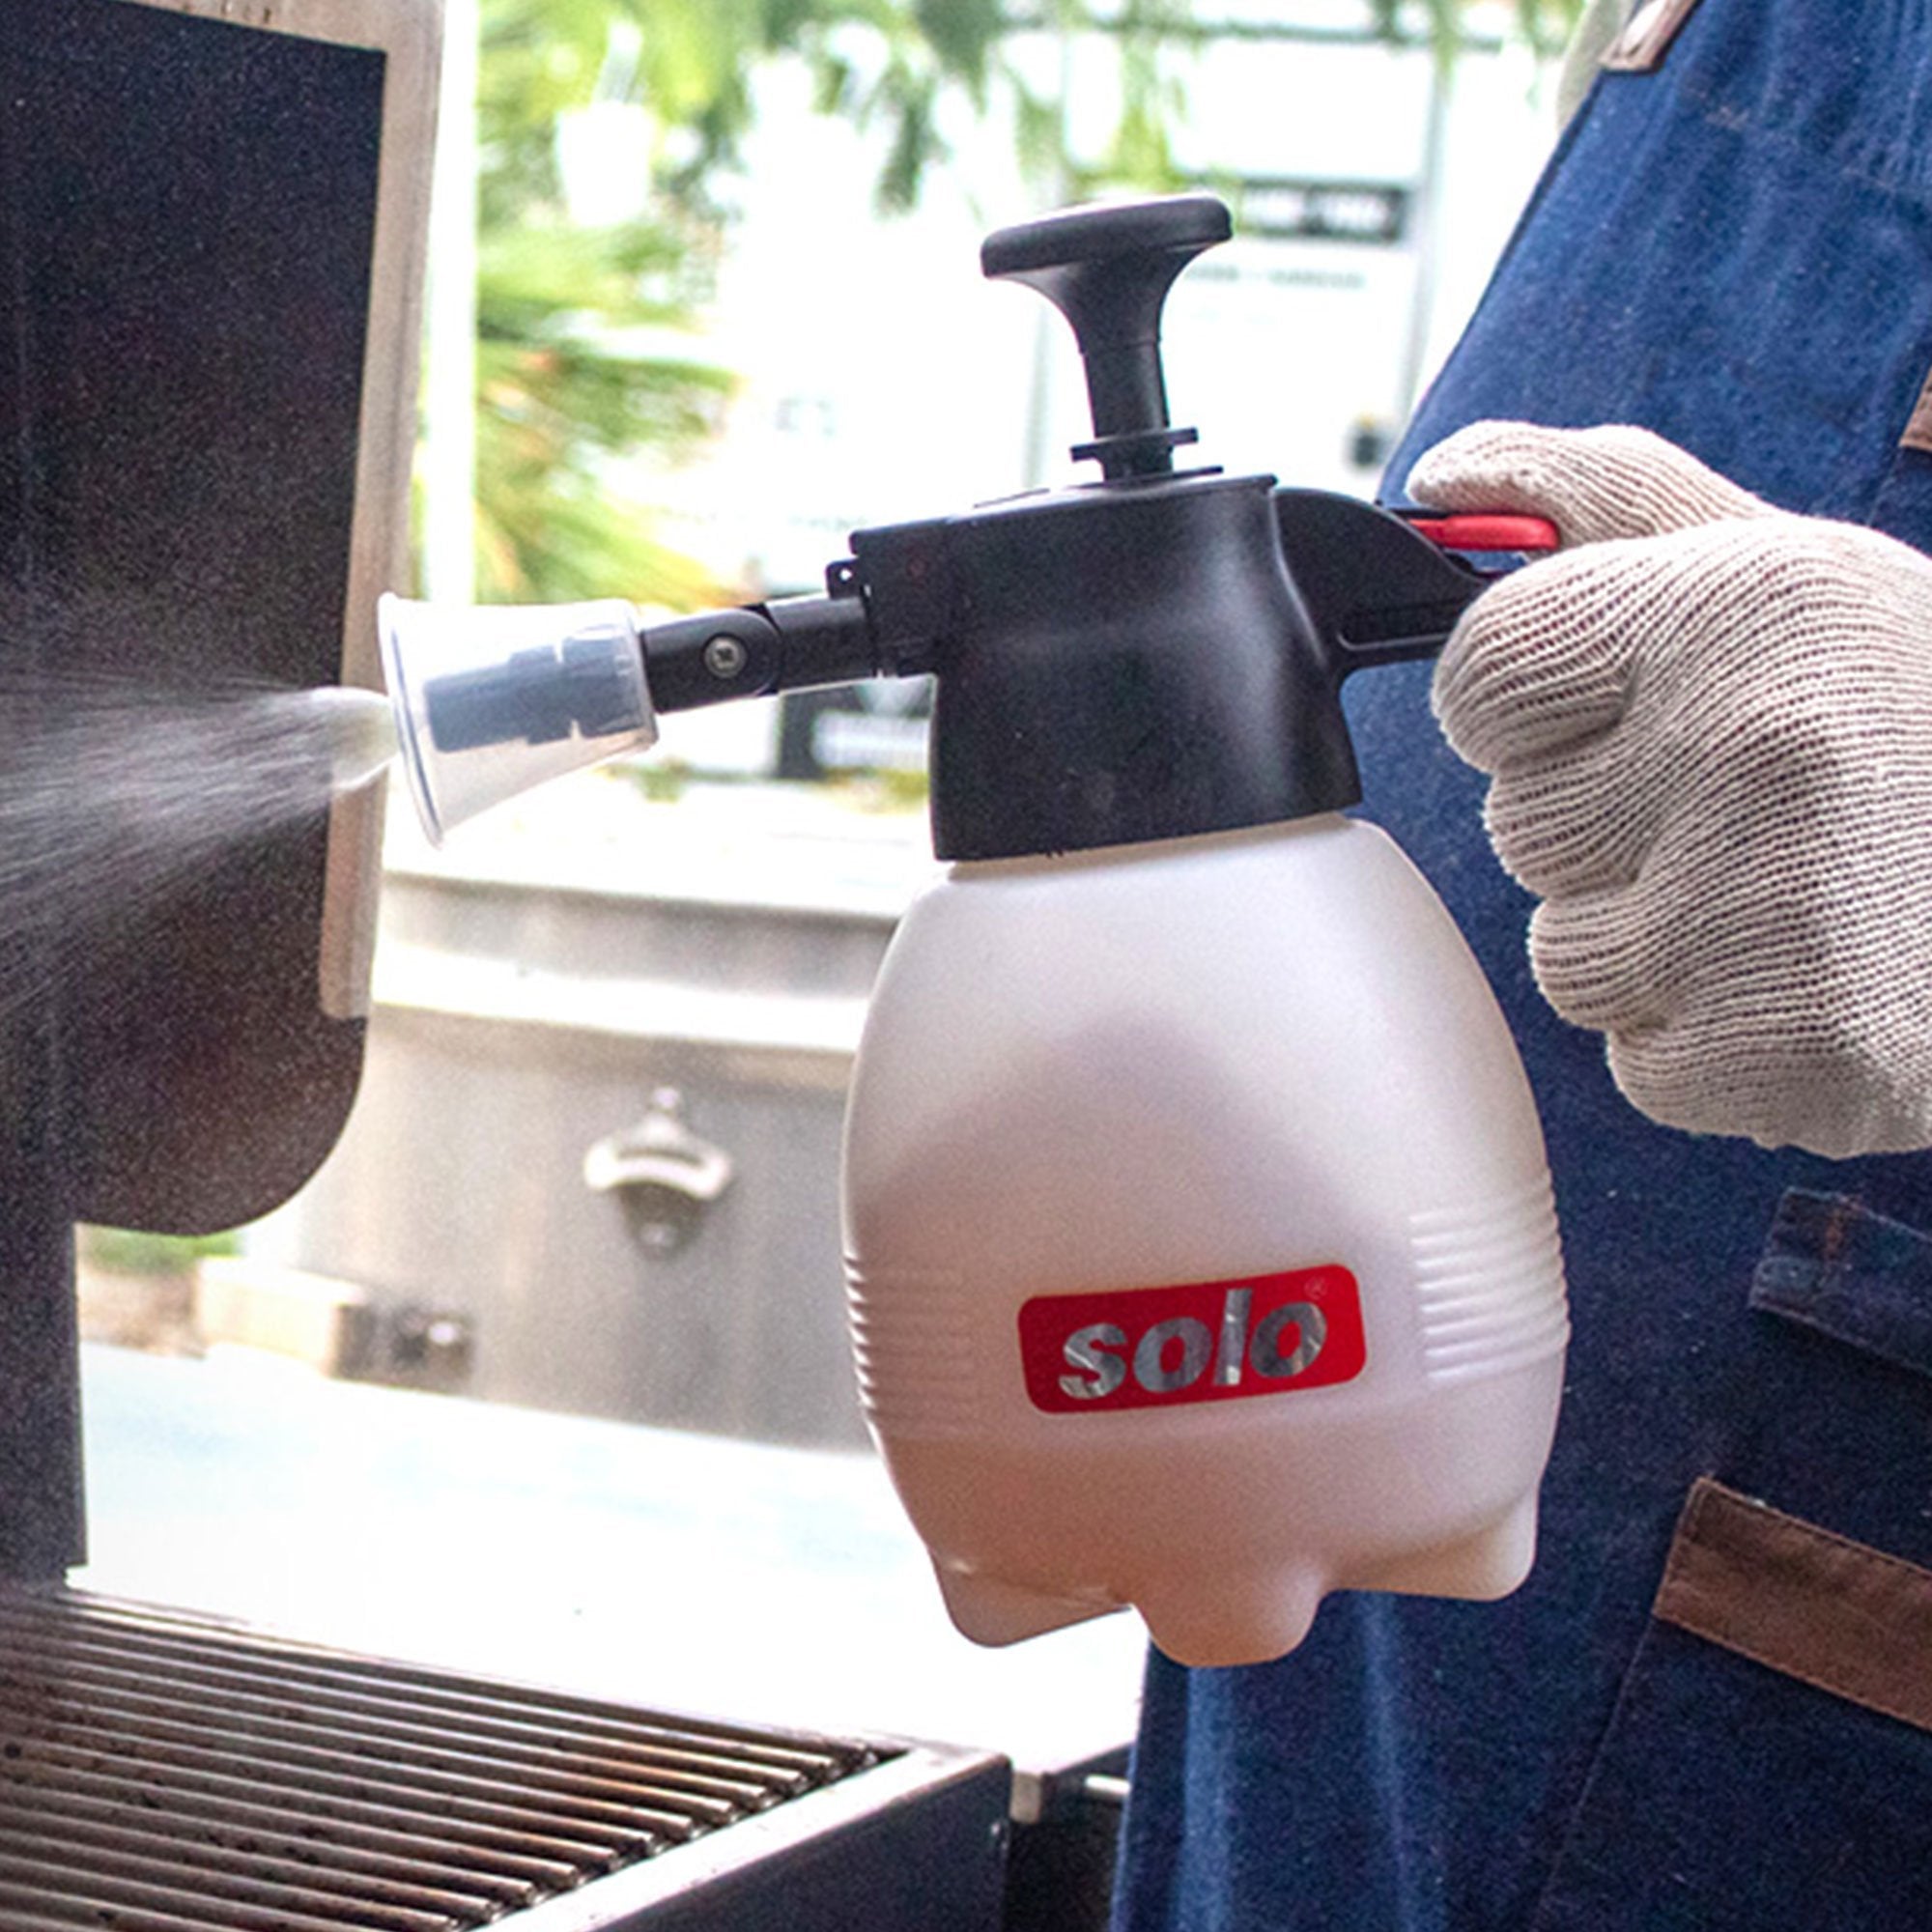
[(1710, 729)]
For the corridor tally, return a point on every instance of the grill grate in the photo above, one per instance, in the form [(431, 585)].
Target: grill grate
[(161, 1772)]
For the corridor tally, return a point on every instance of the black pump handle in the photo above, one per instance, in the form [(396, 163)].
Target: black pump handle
[(1108, 269)]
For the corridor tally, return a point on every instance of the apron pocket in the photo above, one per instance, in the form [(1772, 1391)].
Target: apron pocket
[(1769, 1763), (1833, 1266)]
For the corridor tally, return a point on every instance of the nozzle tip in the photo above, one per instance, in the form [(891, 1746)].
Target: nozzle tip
[(359, 728)]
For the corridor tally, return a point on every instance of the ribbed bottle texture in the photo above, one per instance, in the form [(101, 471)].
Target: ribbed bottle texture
[(1489, 1283), (913, 1345)]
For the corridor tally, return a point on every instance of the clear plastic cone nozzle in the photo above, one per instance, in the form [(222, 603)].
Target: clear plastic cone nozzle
[(493, 699)]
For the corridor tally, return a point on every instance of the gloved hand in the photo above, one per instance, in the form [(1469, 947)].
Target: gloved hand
[(1709, 728)]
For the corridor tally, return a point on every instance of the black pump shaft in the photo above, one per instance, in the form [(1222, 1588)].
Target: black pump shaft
[(1108, 269)]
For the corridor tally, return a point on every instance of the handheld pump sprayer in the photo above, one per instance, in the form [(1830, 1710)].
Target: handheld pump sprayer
[(1200, 1246)]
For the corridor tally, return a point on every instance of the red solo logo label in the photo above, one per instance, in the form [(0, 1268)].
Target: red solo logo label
[(1209, 1341)]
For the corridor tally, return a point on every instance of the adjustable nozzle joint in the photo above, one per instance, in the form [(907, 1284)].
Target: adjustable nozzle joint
[(792, 643)]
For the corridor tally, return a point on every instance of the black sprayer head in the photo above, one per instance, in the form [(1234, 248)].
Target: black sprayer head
[(1126, 660), (1140, 658), (1152, 656)]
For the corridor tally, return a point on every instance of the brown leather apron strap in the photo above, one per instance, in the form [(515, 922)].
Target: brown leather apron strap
[(1833, 1613), (1918, 431), (1647, 37)]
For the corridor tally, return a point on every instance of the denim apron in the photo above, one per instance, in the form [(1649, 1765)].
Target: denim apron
[(1711, 1706)]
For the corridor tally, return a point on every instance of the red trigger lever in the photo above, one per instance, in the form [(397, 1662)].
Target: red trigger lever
[(1487, 530)]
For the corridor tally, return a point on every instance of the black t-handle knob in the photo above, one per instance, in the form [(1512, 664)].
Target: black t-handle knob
[(1108, 269)]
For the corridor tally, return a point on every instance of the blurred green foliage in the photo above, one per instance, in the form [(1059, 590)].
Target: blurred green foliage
[(579, 361), (127, 1251)]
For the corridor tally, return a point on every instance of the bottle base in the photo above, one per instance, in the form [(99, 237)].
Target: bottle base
[(1247, 1619)]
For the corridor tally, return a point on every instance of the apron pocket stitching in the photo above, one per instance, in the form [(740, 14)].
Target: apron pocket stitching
[(1832, 1266)]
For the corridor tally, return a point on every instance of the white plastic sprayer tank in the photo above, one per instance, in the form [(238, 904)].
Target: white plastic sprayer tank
[(1201, 1247)]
